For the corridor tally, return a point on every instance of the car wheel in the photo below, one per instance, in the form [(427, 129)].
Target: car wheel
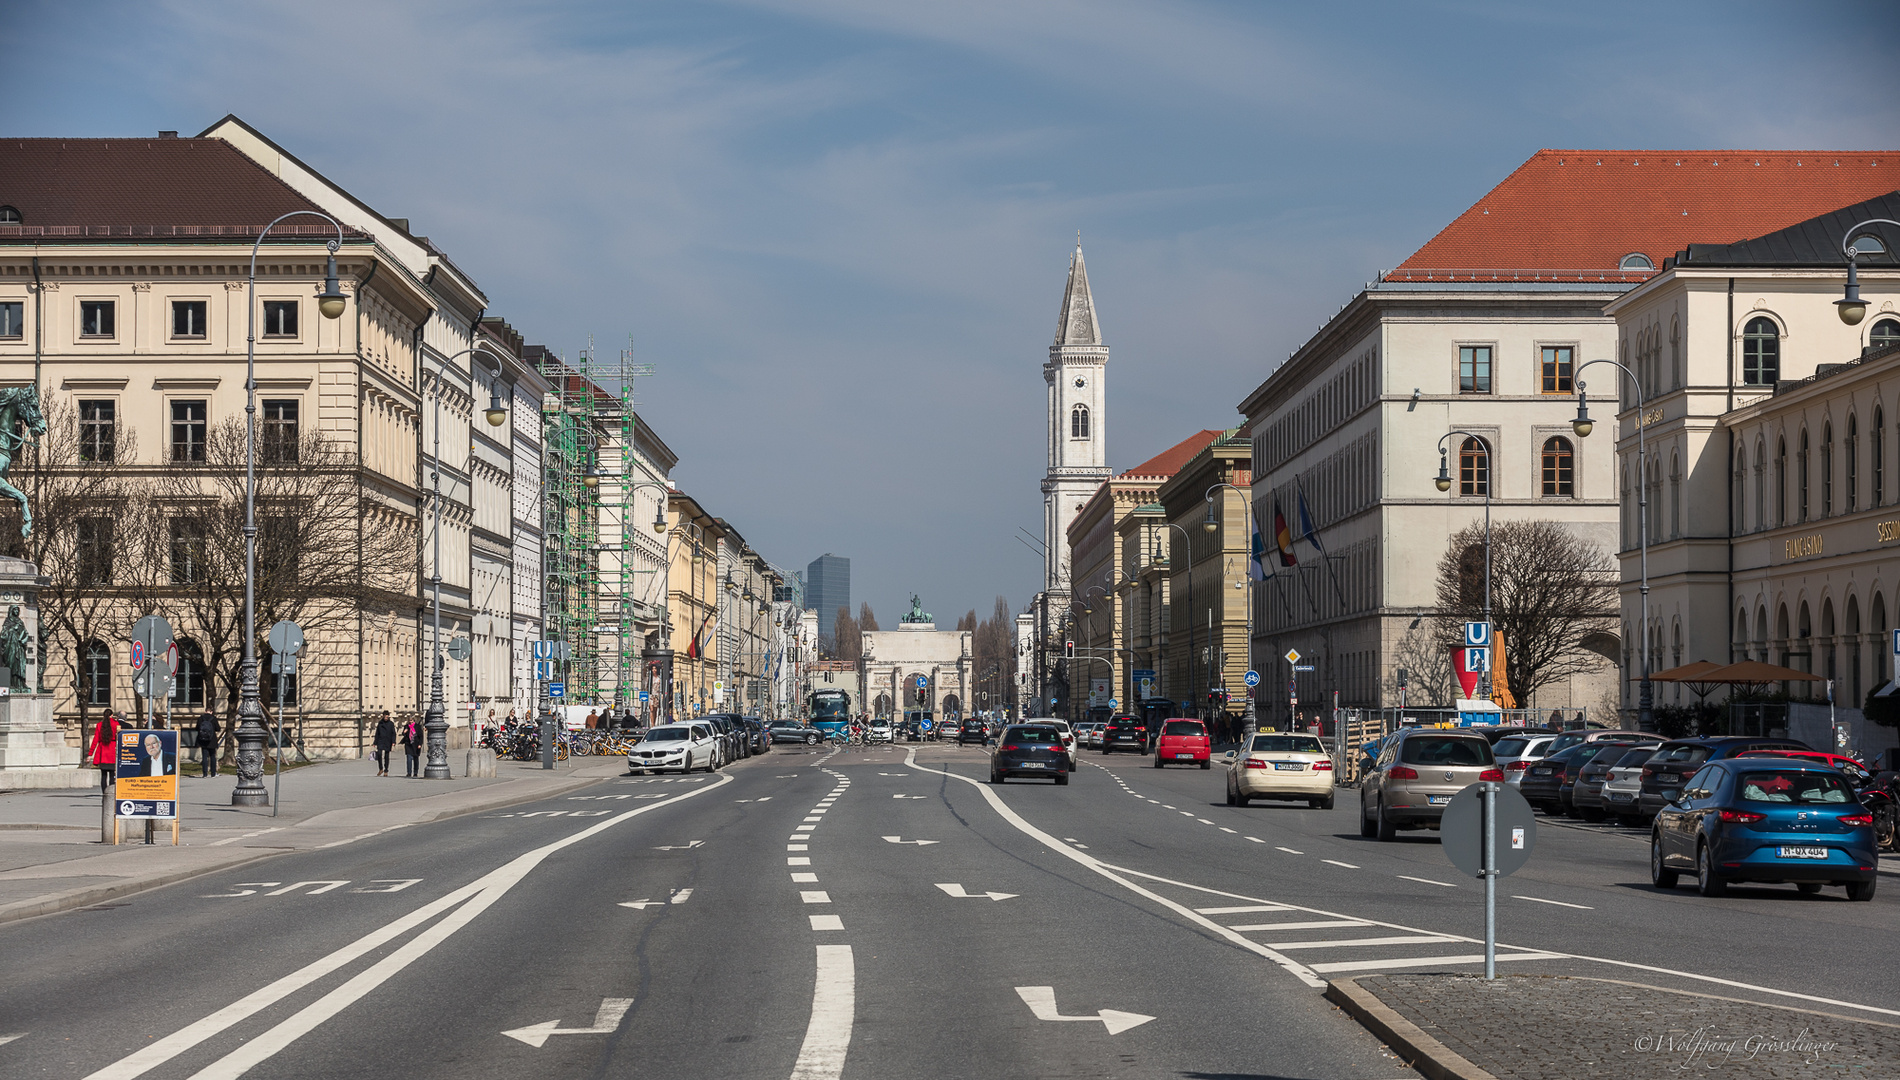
[(1062, 779), (1860, 890), (1232, 800), (1157, 761), (996, 778), (1107, 750), (1659, 875), (1808, 886), (1707, 881), (811, 740), (1207, 764), (1366, 828), (1387, 830), (1323, 804), (1244, 799)]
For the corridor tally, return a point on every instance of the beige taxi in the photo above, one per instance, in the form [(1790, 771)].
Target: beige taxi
[(1281, 766)]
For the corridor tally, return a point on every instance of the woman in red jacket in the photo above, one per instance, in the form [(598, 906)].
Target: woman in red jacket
[(104, 751)]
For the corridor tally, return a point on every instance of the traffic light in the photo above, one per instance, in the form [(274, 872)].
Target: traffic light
[(1068, 650)]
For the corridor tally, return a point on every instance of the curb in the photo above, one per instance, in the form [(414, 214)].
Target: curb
[(1424, 1053)]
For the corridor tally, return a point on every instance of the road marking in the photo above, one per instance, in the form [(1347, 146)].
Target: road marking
[(235, 839), (818, 816), (827, 922), (294, 886), (805, 828), (833, 1005), (606, 1022), (798, 860), (1240, 910), (1256, 839), (642, 904), (1225, 829), (395, 885), (1203, 821), (1406, 939), (1042, 1001), (479, 894), (1427, 881), (804, 877), (687, 846), (1289, 851), (1336, 862), (5, 1039), (680, 896), (816, 896), (1559, 903), (910, 796), (957, 891), (901, 840), (1433, 961), (1165, 806), (1322, 924)]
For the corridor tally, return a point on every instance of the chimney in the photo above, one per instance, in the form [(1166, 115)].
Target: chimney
[(168, 134)]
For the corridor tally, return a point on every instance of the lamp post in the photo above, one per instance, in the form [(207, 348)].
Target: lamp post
[(1582, 425), (1851, 307), (251, 733), (1443, 483), (1211, 525)]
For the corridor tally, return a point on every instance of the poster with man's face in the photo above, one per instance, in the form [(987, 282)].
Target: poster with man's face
[(147, 764)]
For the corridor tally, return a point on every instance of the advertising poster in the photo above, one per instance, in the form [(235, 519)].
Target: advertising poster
[(147, 773)]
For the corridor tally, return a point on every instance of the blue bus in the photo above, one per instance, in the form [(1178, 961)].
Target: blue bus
[(830, 710)]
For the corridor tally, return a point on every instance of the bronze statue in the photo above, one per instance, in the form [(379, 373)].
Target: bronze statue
[(19, 407), (13, 649)]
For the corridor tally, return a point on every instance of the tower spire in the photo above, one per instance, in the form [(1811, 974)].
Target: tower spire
[(1076, 324)]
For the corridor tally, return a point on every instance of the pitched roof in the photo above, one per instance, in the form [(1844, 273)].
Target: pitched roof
[(1587, 209), (1815, 242), (170, 187), (1169, 461), (1075, 323)]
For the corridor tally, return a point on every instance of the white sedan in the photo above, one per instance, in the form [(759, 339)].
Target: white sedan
[(683, 746), (880, 732), (1068, 739)]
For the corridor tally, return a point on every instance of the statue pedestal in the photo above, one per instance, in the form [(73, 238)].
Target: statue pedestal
[(33, 751)]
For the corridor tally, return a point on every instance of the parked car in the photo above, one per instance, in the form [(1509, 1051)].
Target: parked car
[(1856, 773), (1547, 784), (973, 731), (1678, 759), (685, 746), (1184, 741), (1568, 739), (757, 742), (1089, 735), (1281, 766), (1623, 784), (1068, 739), (1499, 732), (1417, 772), (1771, 820), (795, 732), (732, 745), (1582, 791), (1516, 753), (1125, 733), (1030, 750)]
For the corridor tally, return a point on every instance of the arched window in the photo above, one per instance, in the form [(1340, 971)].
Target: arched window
[(1886, 332), (1827, 470), (1850, 463), (190, 681), (95, 673), (1635, 260), (1079, 422), (1559, 468), (1474, 468), (1877, 455), (1801, 478), (1781, 481), (1761, 352)]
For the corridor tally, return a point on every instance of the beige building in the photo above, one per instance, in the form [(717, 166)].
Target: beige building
[(895, 661), (1206, 654)]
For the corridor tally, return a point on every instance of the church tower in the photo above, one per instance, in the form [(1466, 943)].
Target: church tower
[(1077, 378)]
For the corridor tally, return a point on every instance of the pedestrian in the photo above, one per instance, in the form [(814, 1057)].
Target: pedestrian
[(207, 744), (412, 745), (385, 741), (104, 750), (593, 719)]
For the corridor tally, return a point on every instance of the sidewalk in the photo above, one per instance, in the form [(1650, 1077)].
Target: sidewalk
[(1541, 1027), (51, 857)]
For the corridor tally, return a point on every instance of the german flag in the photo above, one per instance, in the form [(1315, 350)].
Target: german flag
[(1283, 537)]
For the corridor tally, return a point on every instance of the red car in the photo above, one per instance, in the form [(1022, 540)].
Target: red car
[(1856, 772), (1184, 741)]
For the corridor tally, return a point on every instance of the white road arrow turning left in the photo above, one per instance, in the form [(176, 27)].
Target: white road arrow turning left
[(1042, 1001), (612, 1010), (957, 891), (901, 840)]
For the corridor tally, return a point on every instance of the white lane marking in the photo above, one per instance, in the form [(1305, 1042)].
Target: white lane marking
[(1042, 1001), (815, 896), (328, 886), (833, 1008), (1225, 829), (1323, 924), (910, 796), (827, 922), (901, 840), (1165, 806), (1433, 961), (680, 896), (798, 860), (642, 904), (805, 828), (1336, 862), (1559, 903), (1289, 851), (818, 815), (804, 878), (1427, 881), (687, 846), (486, 890), (957, 891), (1203, 821), (394, 885), (1240, 910), (5, 1039), (233, 840), (1334, 943), (1256, 839), (797, 847), (606, 1022), (1157, 802)]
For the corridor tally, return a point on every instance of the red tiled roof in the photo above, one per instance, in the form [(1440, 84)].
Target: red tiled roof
[(1586, 209), (101, 188), (1169, 461)]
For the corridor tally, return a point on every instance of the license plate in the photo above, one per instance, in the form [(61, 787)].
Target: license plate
[(1035, 765), (1288, 766), (1184, 755), (1437, 800), (1540, 772), (1802, 852)]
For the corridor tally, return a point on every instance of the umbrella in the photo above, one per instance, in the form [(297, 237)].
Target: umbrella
[(1754, 673), (1694, 674)]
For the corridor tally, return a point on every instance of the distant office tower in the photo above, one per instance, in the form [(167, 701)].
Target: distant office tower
[(828, 588)]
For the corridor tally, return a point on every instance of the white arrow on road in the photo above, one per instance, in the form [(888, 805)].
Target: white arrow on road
[(901, 840), (612, 1010), (957, 891), (1042, 1001), (688, 846), (5, 1039), (680, 896), (910, 796)]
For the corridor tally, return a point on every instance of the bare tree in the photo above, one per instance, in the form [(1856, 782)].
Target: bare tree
[(867, 620), (1427, 663), (993, 647), (846, 642), (1550, 589)]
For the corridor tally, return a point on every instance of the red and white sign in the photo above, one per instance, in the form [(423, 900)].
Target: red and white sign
[(1462, 666)]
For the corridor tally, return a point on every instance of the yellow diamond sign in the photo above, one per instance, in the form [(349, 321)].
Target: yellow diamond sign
[(1293, 656)]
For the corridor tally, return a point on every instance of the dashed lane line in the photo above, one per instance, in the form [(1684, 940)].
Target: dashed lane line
[(1559, 903), (1426, 881)]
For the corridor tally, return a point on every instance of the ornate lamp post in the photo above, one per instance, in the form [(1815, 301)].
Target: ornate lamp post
[(1851, 307), (251, 733), (1443, 483), (1582, 425)]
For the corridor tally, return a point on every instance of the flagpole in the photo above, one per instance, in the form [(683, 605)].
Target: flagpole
[(1312, 537)]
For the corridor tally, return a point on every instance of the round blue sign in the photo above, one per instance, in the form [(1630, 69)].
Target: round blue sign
[(1253, 678)]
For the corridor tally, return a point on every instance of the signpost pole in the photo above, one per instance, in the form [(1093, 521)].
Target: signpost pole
[(278, 796), (1490, 879)]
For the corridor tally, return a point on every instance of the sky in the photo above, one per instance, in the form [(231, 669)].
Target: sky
[(840, 228)]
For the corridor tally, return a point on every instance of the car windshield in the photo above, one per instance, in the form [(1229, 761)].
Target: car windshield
[(1288, 744), (1513, 747), (1446, 750), (667, 735), (1796, 786), (1035, 734), (1681, 755), (1183, 727)]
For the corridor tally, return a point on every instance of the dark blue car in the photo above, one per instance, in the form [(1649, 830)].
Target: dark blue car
[(1765, 819)]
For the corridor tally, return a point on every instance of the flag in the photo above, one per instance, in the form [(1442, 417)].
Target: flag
[(1307, 532), (1256, 549), (692, 651), (1282, 539)]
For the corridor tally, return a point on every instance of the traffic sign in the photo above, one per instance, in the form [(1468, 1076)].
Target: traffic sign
[(1253, 678), (459, 649), (138, 655), (1477, 633), (1298, 667), (922, 682), (1461, 831), (1293, 656), (644, 695), (1478, 660), (286, 641), (556, 689)]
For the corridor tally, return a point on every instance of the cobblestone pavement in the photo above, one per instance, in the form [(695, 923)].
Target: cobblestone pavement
[(1531, 1027)]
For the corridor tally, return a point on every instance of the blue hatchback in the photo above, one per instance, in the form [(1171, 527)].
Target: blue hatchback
[(1765, 819)]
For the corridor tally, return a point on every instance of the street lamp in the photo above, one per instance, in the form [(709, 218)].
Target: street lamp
[(1646, 700), (1443, 483), (1213, 526), (251, 733), (1851, 307)]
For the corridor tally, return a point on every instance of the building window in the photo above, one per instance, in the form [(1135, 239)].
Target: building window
[(1559, 468), (188, 550), (9, 216), (188, 431), (188, 688), (1801, 478), (1558, 366), (1827, 470), (1079, 422), (96, 318), (279, 445), (1474, 468), (1781, 481), (280, 318), (188, 318), (1474, 369), (96, 673), (1850, 463), (1761, 352), (1886, 332), (12, 319), (98, 431), (1738, 512), (1877, 453), (93, 559), (1635, 260)]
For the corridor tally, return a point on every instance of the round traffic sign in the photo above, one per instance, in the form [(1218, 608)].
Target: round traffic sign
[(922, 681), (138, 655), (1461, 832), (1253, 678)]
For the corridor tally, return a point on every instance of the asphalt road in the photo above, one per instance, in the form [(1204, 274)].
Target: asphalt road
[(780, 919)]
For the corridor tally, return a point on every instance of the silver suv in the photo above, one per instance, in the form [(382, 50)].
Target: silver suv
[(1416, 774)]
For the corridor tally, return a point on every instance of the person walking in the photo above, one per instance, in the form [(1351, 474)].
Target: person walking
[(412, 746), (104, 751), (207, 744), (385, 742)]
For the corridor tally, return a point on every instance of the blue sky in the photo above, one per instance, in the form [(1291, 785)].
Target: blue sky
[(840, 227)]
